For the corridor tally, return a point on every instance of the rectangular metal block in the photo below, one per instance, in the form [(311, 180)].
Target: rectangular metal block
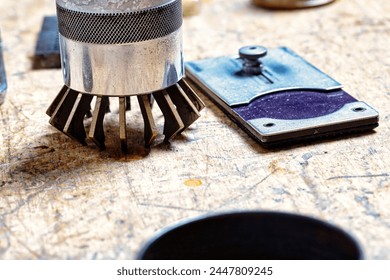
[(47, 50)]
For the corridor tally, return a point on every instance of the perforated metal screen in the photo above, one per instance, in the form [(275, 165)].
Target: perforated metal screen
[(120, 28)]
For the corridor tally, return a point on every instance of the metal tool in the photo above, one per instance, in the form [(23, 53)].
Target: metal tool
[(3, 78), (47, 50), (278, 97), (290, 4), (122, 49)]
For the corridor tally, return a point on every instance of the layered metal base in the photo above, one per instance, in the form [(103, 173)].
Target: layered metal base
[(179, 104)]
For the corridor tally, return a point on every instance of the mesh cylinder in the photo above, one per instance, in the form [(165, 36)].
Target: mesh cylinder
[(120, 27), (122, 47)]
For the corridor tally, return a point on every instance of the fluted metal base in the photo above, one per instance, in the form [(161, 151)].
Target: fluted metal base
[(179, 104)]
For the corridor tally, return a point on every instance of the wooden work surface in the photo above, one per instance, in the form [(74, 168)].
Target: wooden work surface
[(61, 200)]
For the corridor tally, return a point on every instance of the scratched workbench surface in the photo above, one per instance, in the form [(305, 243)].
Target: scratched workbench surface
[(61, 200)]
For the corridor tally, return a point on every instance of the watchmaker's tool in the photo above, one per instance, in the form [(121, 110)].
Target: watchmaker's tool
[(3, 79), (290, 4), (122, 49), (278, 97), (47, 50)]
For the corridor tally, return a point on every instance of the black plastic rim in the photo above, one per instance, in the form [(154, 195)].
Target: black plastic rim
[(253, 235)]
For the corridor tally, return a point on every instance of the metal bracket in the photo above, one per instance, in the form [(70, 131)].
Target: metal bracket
[(277, 97), (283, 70)]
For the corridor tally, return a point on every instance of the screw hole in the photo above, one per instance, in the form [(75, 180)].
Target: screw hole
[(269, 124), (253, 48), (358, 109)]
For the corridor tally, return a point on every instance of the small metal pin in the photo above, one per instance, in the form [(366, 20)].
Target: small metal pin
[(150, 130), (96, 131), (122, 123), (128, 103), (251, 55), (63, 110), (74, 126), (173, 123), (186, 109), (195, 99), (53, 106)]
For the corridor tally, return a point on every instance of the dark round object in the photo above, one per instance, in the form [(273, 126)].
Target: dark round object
[(253, 236), (252, 52)]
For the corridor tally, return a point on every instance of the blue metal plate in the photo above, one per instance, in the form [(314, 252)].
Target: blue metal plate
[(290, 101), (283, 70)]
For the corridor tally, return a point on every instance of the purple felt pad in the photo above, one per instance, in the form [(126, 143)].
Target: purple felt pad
[(292, 105)]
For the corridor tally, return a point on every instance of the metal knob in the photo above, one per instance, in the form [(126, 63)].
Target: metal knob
[(251, 55)]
